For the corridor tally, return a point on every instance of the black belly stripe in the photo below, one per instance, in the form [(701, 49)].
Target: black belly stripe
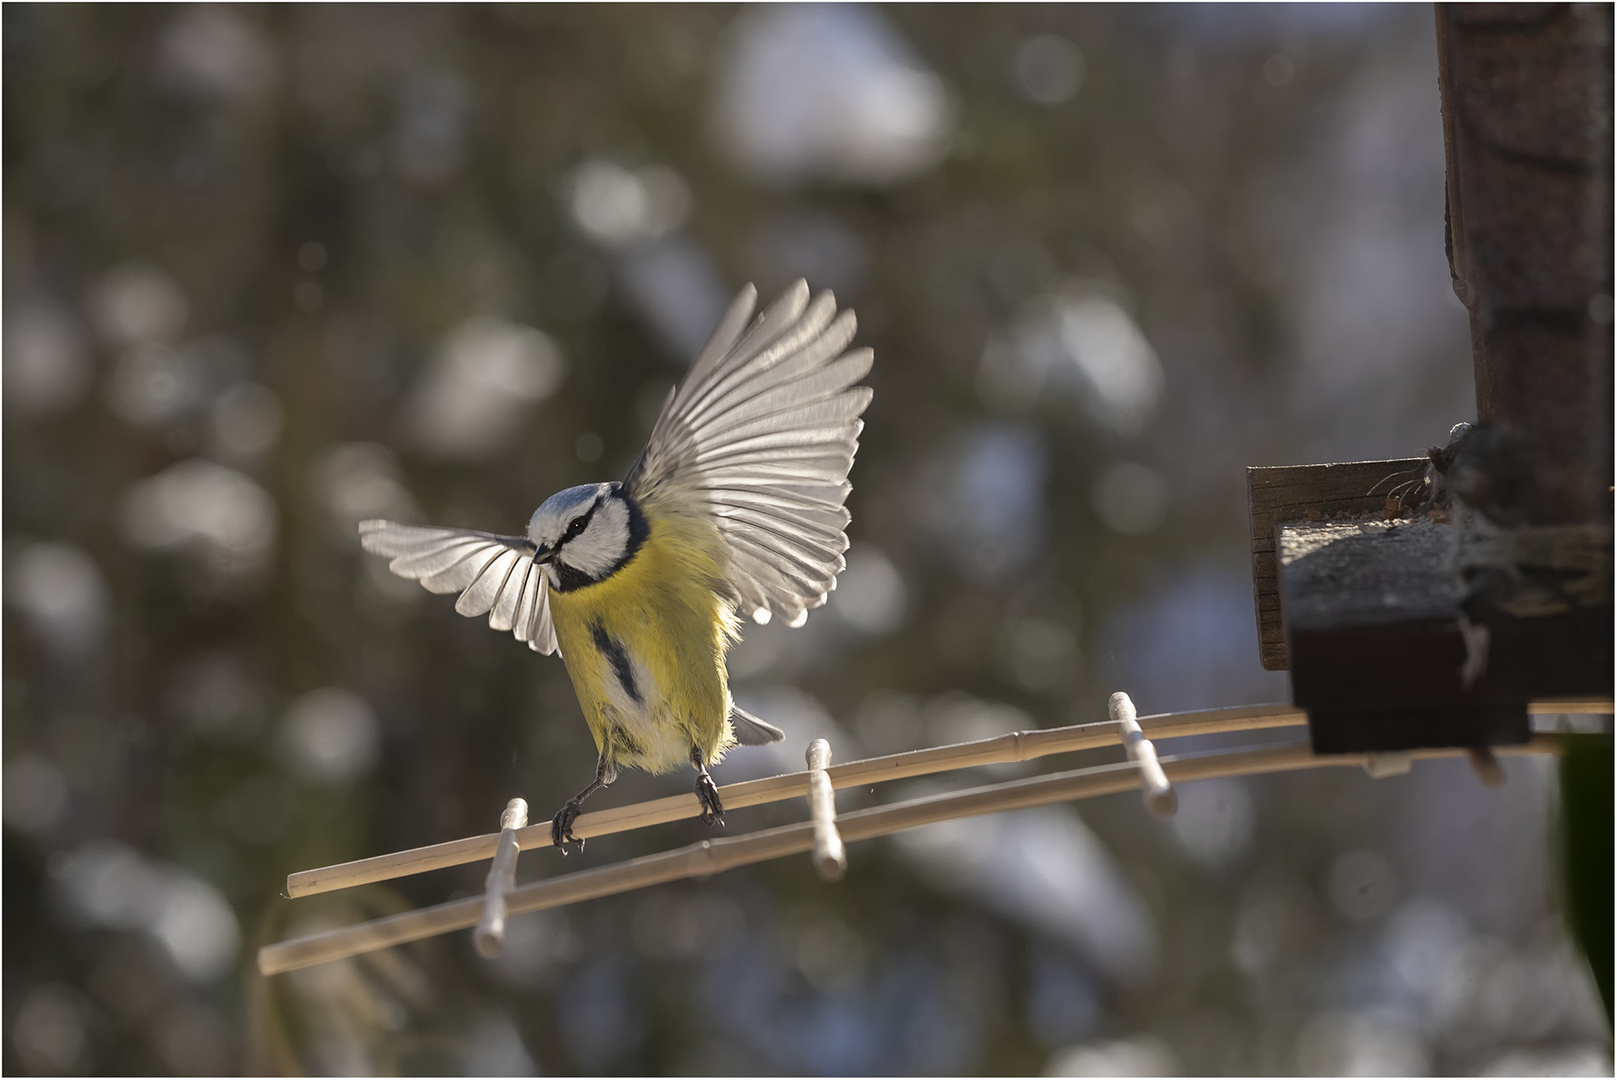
[(618, 657), (622, 744)]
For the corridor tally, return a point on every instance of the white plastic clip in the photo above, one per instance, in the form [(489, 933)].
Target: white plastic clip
[(502, 878), (1389, 763), (1160, 798), (830, 858)]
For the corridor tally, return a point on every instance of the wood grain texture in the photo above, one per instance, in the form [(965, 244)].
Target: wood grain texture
[(1282, 493), (1527, 129)]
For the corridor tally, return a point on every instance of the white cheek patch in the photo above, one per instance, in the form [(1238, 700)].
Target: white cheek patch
[(603, 544)]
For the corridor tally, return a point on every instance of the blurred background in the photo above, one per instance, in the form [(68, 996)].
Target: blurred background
[(271, 271)]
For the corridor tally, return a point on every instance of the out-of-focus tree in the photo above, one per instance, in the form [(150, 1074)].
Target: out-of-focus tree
[(272, 271)]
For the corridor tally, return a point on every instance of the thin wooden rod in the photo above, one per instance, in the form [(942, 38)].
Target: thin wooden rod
[(830, 858), (489, 937), (1015, 746), (1571, 707), (716, 856)]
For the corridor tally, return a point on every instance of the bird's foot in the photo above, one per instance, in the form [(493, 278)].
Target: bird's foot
[(561, 826), (707, 793)]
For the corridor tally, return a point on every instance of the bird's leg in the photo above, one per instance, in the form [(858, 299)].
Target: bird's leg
[(561, 826), (707, 792)]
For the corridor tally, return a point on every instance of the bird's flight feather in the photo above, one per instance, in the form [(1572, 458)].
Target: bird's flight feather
[(494, 574), (760, 435)]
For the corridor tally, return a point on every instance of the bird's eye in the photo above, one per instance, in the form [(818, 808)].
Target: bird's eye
[(576, 527)]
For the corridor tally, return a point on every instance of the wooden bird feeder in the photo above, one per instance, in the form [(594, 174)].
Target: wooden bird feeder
[(1424, 602)]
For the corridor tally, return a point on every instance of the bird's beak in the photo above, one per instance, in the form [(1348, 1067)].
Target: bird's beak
[(544, 555)]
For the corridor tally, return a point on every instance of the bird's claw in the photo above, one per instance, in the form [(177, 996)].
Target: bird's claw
[(561, 826), (707, 793)]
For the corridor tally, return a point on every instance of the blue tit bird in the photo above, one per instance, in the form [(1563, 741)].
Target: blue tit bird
[(734, 508)]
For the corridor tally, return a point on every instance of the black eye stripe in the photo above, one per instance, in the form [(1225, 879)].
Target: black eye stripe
[(585, 520), (569, 578)]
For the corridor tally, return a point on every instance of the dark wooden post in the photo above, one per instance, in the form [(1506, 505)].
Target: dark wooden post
[(1527, 131)]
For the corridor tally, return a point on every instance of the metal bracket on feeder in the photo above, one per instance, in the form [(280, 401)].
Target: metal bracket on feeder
[(830, 858), (502, 878), (1160, 798)]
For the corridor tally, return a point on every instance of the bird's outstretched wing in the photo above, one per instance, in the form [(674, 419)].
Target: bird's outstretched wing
[(760, 435), (493, 574)]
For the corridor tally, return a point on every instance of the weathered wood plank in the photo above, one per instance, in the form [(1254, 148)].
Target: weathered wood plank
[(1376, 651), (1368, 572), (1282, 493)]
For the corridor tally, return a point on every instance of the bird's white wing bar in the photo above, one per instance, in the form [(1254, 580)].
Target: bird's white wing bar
[(760, 436), (493, 574)]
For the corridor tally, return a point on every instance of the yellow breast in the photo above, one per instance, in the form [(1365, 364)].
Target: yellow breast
[(645, 648)]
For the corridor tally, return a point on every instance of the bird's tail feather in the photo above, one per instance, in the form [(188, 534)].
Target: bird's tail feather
[(751, 731)]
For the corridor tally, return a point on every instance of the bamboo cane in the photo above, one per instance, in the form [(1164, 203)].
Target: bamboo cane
[(716, 856), (1016, 746)]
